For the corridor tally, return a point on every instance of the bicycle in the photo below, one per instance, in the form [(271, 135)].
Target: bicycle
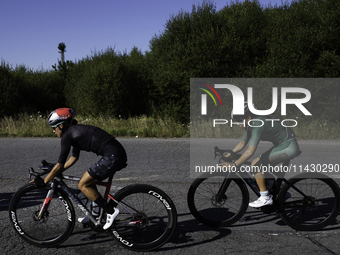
[(307, 202), (45, 217)]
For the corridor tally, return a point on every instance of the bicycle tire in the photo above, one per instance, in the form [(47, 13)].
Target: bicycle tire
[(203, 206), (158, 214), (312, 213), (57, 223)]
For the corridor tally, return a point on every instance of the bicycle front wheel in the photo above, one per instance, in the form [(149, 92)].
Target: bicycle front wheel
[(310, 203), (57, 221), (211, 210), (147, 217)]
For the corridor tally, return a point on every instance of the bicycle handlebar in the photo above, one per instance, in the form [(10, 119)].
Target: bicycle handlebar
[(233, 156), (46, 168), (219, 152)]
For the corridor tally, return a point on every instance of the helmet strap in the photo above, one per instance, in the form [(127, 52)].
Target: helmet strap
[(65, 127), (61, 128)]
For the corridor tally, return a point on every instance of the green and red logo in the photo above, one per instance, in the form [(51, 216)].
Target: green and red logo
[(204, 97)]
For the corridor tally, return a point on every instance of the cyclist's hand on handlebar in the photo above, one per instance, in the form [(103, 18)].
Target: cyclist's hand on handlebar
[(226, 154), (38, 182), (225, 164)]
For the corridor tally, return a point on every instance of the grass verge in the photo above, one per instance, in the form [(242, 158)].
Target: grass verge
[(25, 125), (312, 130)]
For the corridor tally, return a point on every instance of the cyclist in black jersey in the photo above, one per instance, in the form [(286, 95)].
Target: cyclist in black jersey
[(285, 147), (76, 138)]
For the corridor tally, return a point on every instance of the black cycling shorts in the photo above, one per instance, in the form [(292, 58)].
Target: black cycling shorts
[(106, 167), (280, 153)]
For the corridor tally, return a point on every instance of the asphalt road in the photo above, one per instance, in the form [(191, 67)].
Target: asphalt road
[(165, 164)]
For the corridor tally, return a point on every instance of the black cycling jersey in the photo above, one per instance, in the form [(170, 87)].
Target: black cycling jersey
[(88, 138)]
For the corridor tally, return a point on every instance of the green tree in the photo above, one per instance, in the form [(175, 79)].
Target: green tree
[(62, 50), (9, 92), (187, 48), (302, 40), (110, 84)]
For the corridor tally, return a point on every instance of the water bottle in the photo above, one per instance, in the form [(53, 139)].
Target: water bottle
[(95, 209), (83, 199), (253, 184)]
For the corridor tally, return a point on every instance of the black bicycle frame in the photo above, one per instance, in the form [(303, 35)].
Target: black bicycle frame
[(249, 180), (75, 199)]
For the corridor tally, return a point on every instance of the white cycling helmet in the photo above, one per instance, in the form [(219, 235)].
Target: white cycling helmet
[(60, 115)]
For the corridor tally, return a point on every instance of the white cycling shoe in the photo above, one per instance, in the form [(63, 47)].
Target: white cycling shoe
[(84, 220), (262, 201), (110, 218)]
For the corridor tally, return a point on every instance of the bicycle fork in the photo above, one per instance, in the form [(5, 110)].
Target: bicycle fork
[(47, 201), (221, 192)]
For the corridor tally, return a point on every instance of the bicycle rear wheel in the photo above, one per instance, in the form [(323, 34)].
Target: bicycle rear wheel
[(147, 217), (53, 228), (317, 209), (211, 211)]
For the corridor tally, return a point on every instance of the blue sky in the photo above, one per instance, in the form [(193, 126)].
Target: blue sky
[(32, 29)]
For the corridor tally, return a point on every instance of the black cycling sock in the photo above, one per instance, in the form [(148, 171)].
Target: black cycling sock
[(102, 203)]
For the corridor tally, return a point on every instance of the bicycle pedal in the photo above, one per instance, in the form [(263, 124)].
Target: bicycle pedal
[(86, 225), (268, 209)]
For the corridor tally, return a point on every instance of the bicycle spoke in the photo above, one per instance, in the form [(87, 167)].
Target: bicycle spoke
[(313, 210), (217, 210), (54, 224), (151, 222)]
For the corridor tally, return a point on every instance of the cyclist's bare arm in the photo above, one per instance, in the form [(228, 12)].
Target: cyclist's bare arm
[(240, 146), (59, 168), (246, 155), (70, 162)]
